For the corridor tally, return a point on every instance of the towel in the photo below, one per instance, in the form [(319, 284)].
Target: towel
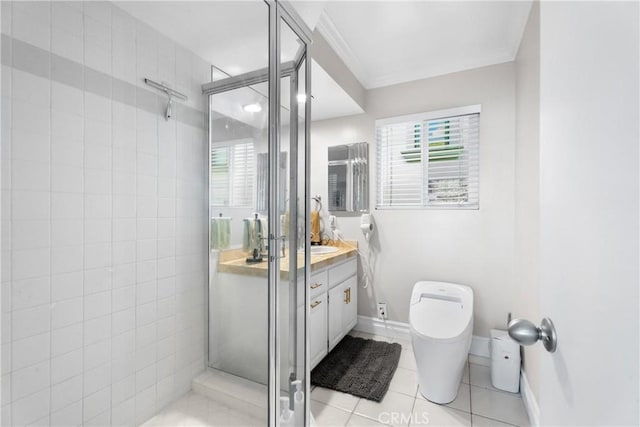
[(315, 227), (220, 233), (253, 234), (248, 234)]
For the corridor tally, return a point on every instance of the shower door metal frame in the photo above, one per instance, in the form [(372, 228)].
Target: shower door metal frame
[(281, 11)]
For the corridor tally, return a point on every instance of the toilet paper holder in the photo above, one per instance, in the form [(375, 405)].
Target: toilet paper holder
[(526, 333)]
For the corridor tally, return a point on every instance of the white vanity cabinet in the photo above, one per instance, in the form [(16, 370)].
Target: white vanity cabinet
[(333, 307), (318, 316), (343, 303)]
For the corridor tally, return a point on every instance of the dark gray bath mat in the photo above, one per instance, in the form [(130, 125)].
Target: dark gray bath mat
[(358, 366)]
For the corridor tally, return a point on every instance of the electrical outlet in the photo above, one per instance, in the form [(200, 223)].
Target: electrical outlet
[(382, 310)]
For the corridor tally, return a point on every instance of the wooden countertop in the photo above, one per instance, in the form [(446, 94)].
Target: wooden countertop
[(234, 261)]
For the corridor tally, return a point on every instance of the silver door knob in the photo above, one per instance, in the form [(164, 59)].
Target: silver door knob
[(526, 333)]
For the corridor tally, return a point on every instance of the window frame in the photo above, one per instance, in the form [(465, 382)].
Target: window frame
[(422, 118)]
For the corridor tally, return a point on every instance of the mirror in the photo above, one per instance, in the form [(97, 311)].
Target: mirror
[(348, 178)]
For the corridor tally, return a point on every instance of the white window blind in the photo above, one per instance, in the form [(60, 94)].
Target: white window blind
[(233, 175), (429, 160)]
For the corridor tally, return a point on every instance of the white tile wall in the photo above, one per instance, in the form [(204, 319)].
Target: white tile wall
[(103, 219)]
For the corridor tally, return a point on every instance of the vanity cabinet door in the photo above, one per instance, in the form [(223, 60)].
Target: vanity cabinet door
[(318, 329), (350, 307), (336, 313), (343, 310)]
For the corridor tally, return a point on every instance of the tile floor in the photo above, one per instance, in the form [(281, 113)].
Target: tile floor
[(477, 404)]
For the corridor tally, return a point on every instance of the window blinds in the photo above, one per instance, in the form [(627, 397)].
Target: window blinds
[(233, 175), (429, 160)]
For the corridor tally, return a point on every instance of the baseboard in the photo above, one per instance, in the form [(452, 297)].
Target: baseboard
[(384, 328), (400, 330), (480, 346), (530, 402)]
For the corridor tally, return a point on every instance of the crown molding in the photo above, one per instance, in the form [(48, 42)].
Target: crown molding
[(415, 74), (328, 30)]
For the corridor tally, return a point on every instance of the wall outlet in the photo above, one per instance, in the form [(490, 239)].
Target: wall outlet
[(382, 310)]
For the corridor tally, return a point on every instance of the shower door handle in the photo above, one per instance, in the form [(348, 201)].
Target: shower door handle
[(284, 239)]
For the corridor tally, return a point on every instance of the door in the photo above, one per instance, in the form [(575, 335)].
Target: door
[(343, 310), (350, 309), (318, 329), (589, 212), (289, 213), (259, 136), (337, 297)]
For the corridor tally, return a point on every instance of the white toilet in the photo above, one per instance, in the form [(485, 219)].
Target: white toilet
[(441, 319)]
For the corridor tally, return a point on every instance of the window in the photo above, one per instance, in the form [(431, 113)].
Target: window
[(233, 171), (429, 160)]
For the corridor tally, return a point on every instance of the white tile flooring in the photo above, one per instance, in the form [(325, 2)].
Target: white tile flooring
[(477, 404)]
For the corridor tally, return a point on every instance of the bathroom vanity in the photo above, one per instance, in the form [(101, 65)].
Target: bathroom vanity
[(241, 342), (334, 307)]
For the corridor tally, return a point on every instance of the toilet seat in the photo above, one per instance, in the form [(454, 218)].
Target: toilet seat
[(441, 311)]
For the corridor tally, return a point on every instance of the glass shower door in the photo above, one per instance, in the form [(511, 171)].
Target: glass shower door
[(258, 302), (239, 111), (293, 275)]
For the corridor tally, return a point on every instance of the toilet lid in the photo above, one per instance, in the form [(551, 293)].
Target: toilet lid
[(439, 312)]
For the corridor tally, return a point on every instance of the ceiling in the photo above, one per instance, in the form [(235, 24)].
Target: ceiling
[(381, 42), (233, 36), (389, 42)]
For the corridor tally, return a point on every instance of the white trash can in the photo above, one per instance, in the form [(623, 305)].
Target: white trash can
[(505, 361)]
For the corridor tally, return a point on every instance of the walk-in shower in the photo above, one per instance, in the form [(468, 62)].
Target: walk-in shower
[(258, 209)]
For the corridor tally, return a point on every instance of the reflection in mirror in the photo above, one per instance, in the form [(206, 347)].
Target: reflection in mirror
[(348, 178), (263, 180)]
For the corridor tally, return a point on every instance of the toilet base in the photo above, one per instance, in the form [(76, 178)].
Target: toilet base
[(440, 392)]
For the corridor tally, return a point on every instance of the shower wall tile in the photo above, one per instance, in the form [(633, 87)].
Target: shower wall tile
[(32, 23), (6, 8), (30, 88), (68, 416), (29, 322), (66, 367), (30, 234), (30, 146), (65, 71), (32, 408), (65, 286), (30, 293), (67, 18), (103, 216), (96, 404), (30, 351), (66, 259), (31, 263), (66, 392)]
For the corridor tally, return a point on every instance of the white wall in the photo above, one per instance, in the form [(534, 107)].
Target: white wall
[(473, 247), (589, 219), (527, 177), (103, 217)]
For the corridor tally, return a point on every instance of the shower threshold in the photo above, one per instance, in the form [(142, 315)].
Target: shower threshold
[(235, 392)]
